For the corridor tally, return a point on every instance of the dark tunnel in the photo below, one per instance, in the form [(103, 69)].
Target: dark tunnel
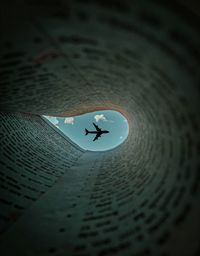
[(63, 58)]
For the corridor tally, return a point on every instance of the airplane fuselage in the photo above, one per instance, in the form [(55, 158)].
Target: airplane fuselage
[(100, 132)]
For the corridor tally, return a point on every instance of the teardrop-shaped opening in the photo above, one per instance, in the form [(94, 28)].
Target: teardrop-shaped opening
[(94, 131)]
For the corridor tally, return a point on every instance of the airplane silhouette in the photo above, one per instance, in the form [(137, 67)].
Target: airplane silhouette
[(98, 132)]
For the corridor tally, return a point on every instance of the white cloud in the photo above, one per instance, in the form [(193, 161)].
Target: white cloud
[(69, 120), (52, 119), (101, 117)]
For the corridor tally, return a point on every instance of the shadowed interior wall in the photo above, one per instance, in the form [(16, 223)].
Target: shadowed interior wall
[(69, 57), (33, 157)]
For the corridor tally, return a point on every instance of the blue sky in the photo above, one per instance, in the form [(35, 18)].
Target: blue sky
[(74, 128)]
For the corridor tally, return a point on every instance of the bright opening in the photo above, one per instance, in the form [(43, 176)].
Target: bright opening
[(95, 131)]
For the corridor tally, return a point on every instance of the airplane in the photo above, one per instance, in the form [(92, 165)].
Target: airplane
[(98, 132)]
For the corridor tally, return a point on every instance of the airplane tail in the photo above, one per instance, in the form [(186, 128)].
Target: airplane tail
[(86, 132)]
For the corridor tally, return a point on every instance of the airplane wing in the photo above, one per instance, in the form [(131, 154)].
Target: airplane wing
[(96, 137), (97, 128)]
